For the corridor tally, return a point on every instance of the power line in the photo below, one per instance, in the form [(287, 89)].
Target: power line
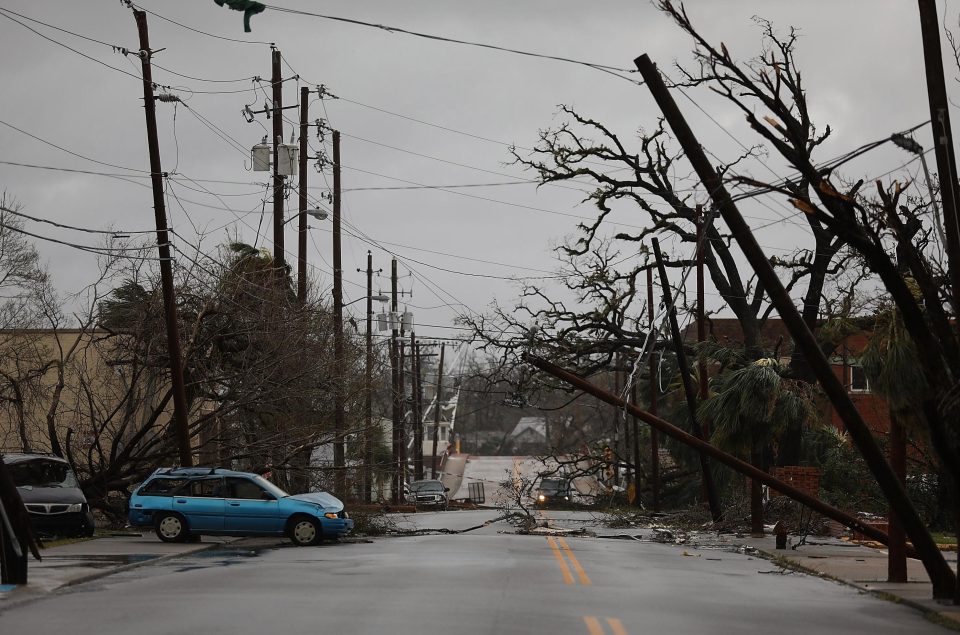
[(69, 48), (116, 233), (71, 152), (198, 31), (612, 70)]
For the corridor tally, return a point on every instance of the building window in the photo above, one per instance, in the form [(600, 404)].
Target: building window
[(858, 379)]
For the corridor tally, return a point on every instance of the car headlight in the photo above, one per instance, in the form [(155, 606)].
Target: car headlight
[(76, 507), (332, 515), (541, 498)]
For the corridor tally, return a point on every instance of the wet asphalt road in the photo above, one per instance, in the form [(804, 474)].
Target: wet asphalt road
[(484, 581)]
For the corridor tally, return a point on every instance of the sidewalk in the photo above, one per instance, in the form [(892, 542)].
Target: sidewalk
[(79, 562), (860, 566)]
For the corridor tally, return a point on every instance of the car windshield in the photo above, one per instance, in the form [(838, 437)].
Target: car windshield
[(270, 487), (426, 486), (43, 473), (551, 485)]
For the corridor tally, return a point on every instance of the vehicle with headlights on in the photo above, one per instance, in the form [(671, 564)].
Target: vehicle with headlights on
[(182, 502), (552, 491)]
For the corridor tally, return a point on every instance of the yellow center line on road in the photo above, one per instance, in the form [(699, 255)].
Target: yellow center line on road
[(616, 626), (567, 576), (596, 627), (593, 625), (584, 580)]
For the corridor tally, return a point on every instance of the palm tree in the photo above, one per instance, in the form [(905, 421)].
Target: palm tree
[(750, 407)]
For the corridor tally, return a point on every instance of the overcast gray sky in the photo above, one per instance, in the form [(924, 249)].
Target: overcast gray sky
[(862, 65)]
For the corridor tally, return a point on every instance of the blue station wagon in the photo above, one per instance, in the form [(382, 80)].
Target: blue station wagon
[(183, 502)]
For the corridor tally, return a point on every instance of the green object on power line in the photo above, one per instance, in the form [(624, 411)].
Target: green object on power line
[(248, 7)]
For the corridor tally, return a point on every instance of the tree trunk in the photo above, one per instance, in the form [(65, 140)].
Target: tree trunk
[(756, 496), (896, 550)]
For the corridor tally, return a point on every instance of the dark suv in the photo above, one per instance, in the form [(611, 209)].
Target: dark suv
[(552, 491), (51, 495), (428, 493)]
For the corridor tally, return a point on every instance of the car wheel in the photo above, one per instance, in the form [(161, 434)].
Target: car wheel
[(304, 531), (171, 527)]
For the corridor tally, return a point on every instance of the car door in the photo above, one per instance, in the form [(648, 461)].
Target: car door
[(250, 509), (201, 502)]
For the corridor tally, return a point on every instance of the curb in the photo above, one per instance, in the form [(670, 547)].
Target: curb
[(930, 613), (17, 602), (135, 565)]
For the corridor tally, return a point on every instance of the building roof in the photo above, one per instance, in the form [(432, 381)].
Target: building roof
[(728, 332), (536, 425)]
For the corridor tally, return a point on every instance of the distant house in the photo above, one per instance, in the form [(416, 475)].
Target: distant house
[(529, 436)]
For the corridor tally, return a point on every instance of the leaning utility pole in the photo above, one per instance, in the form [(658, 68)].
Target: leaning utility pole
[(941, 575), (942, 139), (654, 393), (163, 245), (396, 488), (302, 186), (706, 475), (436, 415), (276, 81), (368, 435), (339, 456)]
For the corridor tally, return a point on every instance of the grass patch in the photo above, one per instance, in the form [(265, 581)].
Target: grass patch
[(944, 537)]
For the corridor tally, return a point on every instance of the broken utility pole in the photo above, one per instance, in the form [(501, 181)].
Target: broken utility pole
[(181, 425), (710, 488), (941, 575), (705, 448)]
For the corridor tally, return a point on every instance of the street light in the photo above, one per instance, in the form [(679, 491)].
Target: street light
[(901, 140), (375, 298)]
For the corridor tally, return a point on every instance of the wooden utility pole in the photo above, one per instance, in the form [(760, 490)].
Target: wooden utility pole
[(710, 489), (163, 245), (941, 575), (741, 466), (415, 407), (396, 437), (947, 169), (701, 314), (897, 548), (339, 456), (436, 415), (369, 432), (302, 186), (942, 138), (636, 447), (401, 380), (276, 81), (654, 393)]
